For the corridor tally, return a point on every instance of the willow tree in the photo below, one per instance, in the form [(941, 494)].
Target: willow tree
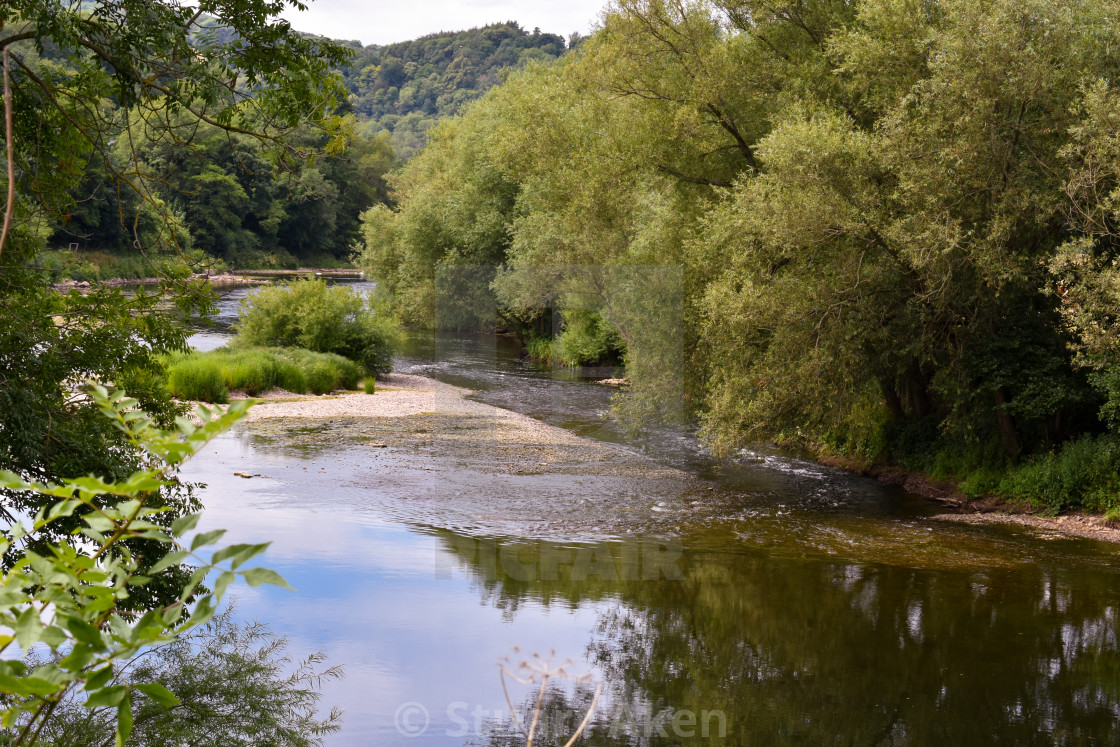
[(891, 255), (894, 220)]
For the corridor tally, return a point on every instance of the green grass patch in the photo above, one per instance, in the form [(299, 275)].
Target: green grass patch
[(210, 377), (197, 379)]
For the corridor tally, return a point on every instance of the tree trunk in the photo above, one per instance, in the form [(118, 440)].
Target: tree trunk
[(1006, 424), (894, 404)]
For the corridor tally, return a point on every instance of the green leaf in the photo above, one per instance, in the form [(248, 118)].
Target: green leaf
[(28, 628), (186, 427), (206, 538), (184, 524), (107, 696), (78, 658), (124, 720), (240, 553), (53, 636), (84, 632), (26, 687), (99, 678), (172, 558), (258, 576), (224, 580), (203, 611), (159, 694), (12, 481)]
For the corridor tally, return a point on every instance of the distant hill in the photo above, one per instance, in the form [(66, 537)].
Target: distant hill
[(405, 88)]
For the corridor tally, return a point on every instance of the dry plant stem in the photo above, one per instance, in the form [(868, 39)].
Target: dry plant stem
[(537, 711), (509, 701), (9, 138), (586, 718)]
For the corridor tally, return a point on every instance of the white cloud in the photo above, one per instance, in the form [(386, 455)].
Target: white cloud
[(386, 21)]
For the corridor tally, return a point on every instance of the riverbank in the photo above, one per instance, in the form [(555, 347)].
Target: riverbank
[(399, 396), (478, 467), (987, 510), (222, 280), (231, 279)]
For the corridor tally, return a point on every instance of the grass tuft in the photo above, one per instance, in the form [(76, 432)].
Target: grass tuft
[(211, 376)]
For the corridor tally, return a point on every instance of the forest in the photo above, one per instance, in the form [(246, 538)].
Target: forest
[(230, 206), (405, 88), (885, 230)]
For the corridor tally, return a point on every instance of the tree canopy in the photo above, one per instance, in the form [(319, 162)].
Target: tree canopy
[(405, 88), (892, 220)]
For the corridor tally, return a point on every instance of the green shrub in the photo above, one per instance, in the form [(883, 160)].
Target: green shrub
[(370, 385), (197, 379), (326, 319), (588, 340), (1083, 474)]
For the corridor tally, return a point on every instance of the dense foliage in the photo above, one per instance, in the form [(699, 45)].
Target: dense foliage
[(887, 227), (67, 117), (74, 602), (405, 88), (228, 204), (312, 315)]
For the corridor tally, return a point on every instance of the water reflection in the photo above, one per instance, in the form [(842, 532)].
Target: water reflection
[(818, 652)]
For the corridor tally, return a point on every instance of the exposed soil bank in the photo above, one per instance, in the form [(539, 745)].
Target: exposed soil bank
[(987, 510), (305, 271), (224, 280)]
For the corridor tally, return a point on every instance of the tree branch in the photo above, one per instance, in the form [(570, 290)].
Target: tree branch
[(9, 138), (693, 179)]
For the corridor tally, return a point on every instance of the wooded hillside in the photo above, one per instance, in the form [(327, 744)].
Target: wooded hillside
[(405, 88)]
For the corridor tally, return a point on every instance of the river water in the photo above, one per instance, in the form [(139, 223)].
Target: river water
[(761, 600)]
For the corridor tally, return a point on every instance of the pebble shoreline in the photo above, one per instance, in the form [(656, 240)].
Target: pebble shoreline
[(404, 395)]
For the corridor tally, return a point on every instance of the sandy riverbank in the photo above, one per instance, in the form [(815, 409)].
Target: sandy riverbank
[(403, 395)]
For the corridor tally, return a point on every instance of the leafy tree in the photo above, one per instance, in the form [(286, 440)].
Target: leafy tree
[(154, 62), (892, 222), (312, 315), (406, 88)]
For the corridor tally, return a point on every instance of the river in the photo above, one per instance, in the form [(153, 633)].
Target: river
[(760, 600)]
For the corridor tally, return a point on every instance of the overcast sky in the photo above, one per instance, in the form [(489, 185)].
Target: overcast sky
[(387, 21)]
